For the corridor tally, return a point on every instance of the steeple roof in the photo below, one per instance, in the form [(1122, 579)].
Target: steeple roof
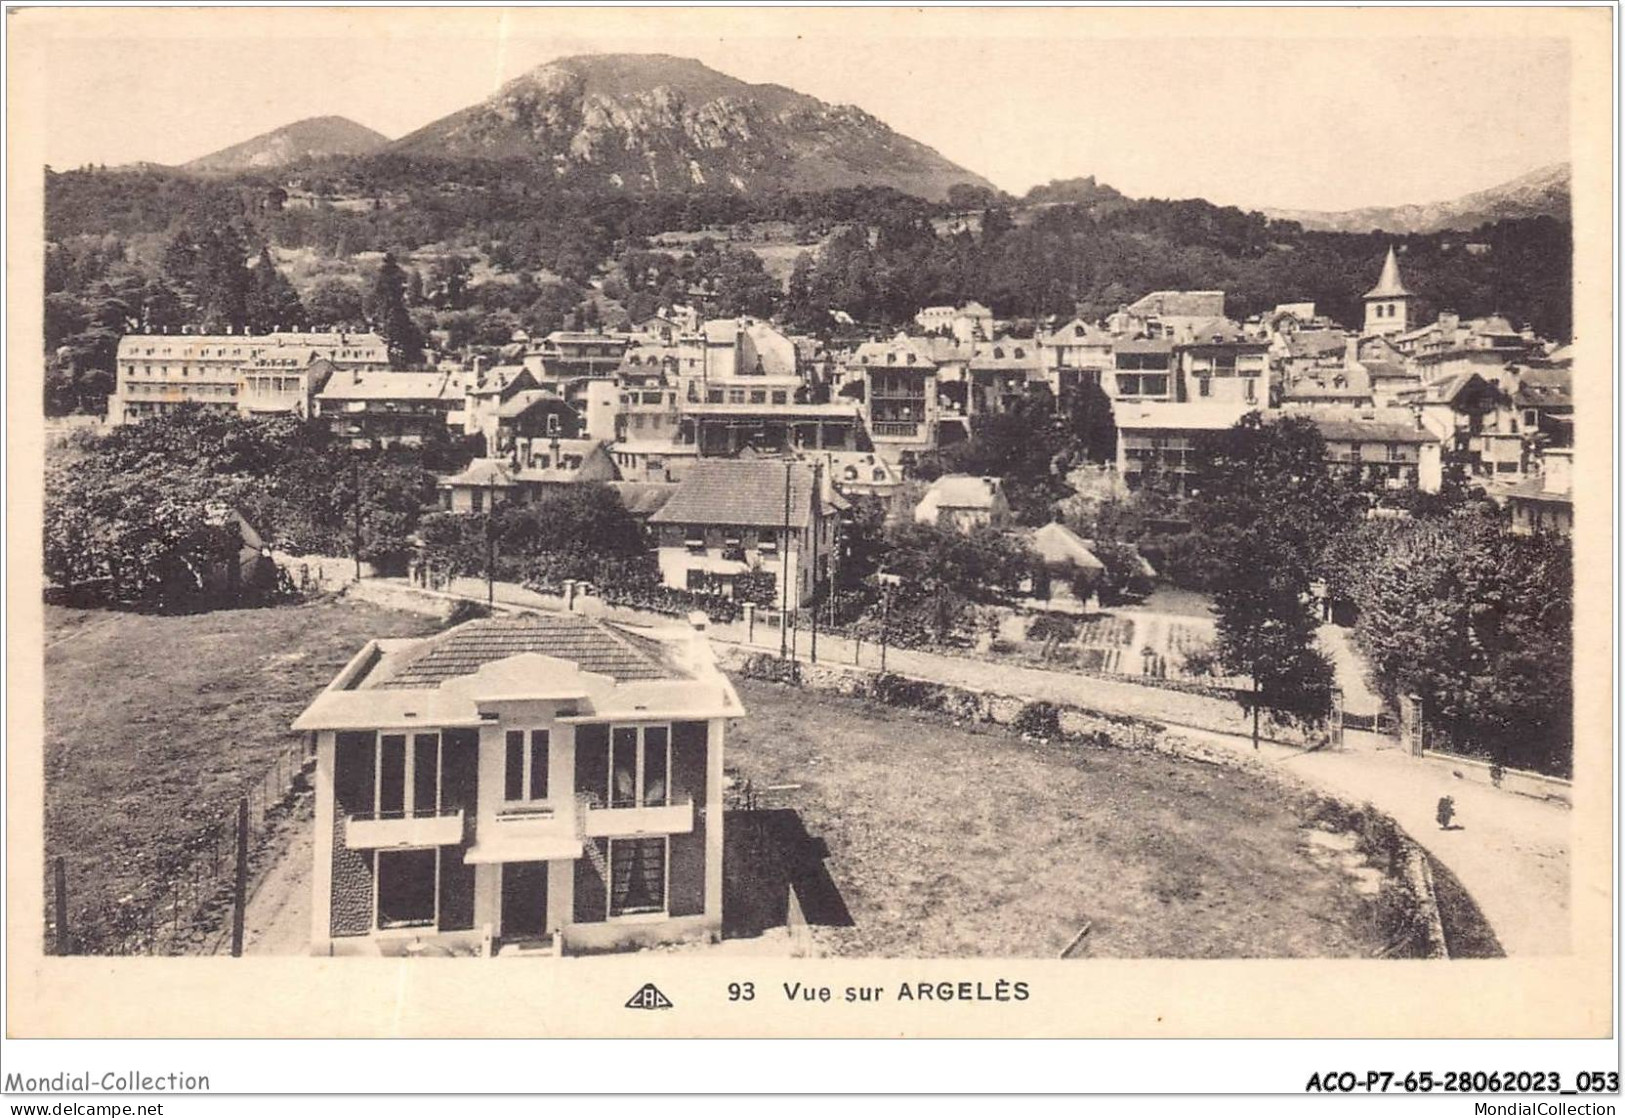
[(1390, 286)]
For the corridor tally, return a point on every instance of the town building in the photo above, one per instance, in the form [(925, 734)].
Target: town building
[(540, 784), (380, 409), (1347, 386), (775, 520), (900, 406), (485, 394), (1387, 447), (531, 469), (1142, 369), (1073, 354), (533, 413), (1476, 422), (1544, 399), (770, 425), (969, 323), (571, 354), (1217, 362), (858, 474), (964, 502), (1166, 314), (1448, 346), (1069, 564), (1157, 438), (1388, 305), (1544, 503), (282, 381), (155, 373)]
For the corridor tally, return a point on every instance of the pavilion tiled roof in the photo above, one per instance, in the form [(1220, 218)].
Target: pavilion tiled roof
[(593, 646), (741, 492)]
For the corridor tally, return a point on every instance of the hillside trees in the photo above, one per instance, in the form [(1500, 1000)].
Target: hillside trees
[(1475, 622)]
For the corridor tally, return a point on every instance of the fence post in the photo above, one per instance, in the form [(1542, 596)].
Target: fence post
[(64, 941), (240, 892)]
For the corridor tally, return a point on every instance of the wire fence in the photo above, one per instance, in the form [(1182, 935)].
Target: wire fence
[(183, 906)]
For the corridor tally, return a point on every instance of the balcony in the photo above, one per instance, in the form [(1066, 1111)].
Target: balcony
[(400, 828), (536, 831), (618, 821), (894, 430)]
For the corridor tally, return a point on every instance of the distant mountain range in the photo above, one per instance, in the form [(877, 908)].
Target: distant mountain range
[(640, 122), (645, 122), (305, 139), (1542, 192)]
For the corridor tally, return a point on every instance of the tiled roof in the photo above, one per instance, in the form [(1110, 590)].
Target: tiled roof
[(1551, 388), (739, 491), (482, 472), (524, 400), (1056, 543), (1181, 304), (1310, 343), (644, 498), (591, 645), (1218, 331), (1386, 370), (1345, 425), (387, 386)]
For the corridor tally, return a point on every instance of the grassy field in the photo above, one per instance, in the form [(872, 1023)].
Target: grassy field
[(963, 841), (153, 724)]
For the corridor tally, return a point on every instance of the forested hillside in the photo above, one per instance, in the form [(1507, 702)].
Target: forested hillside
[(492, 246)]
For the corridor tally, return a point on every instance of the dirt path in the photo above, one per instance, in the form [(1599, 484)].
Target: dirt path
[(1510, 852), (278, 918), (1358, 698)]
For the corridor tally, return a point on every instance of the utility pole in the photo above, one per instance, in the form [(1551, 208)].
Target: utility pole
[(355, 487), (887, 582), (64, 940), (491, 540), (784, 572), (817, 524), (885, 624), (240, 888)]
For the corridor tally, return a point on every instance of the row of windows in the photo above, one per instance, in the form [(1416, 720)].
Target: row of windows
[(1142, 384), (225, 370), (189, 392), (407, 884), (756, 396)]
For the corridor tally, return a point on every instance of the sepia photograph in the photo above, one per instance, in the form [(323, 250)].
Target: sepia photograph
[(978, 496)]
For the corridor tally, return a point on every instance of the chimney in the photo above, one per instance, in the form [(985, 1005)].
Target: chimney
[(1449, 322)]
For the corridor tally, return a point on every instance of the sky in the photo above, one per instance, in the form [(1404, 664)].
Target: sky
[(1332, 114)]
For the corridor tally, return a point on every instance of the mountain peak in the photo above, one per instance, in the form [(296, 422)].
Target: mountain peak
[(641, 122), (313, 137)]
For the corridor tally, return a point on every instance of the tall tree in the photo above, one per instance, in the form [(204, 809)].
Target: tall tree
[(272, 301), (394, 321), (1267, 507)]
